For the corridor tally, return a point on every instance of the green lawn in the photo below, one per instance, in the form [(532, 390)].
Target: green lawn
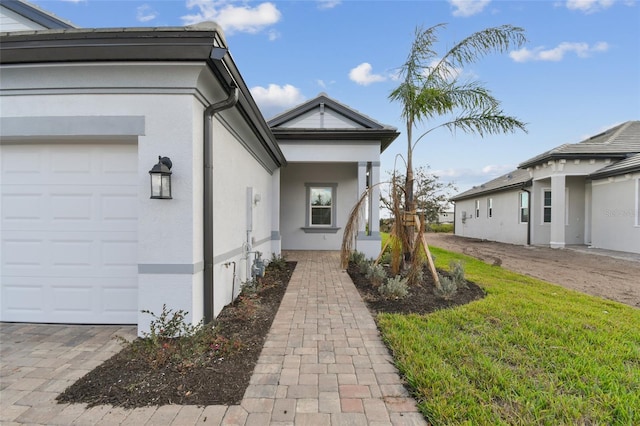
[(529, 353)]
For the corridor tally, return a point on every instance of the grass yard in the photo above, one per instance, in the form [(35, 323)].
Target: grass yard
[(529, 353)]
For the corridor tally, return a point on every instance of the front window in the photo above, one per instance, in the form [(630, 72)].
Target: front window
[(477, 208), (320, 208), (490, 207), (321, 205), (524, 207), (546, 207)]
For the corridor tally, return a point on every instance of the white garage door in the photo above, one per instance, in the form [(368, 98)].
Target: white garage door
[(68, 233)]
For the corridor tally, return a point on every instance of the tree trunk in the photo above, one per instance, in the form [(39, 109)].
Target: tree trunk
[(409, 205)]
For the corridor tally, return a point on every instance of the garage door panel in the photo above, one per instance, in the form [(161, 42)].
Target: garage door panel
[(22, 208), (70, 300), (69, 233), (97, 254)]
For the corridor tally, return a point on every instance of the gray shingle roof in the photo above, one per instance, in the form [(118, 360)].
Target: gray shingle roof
[(617, 142), (515, 179)]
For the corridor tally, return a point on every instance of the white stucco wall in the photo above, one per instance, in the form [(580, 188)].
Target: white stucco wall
[(503, 226), (615, 213), (293, 203), (170, 99)]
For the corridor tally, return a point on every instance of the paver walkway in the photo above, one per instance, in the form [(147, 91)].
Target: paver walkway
[(323, 363)]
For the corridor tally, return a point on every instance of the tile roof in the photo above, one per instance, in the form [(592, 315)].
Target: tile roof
[(515, 179), (619, 141), (628, 165)]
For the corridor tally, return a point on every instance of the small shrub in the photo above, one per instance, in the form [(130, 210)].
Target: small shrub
[(357, 257), (449, 285), (278, 262), (386, 258), (394, 288), (376, 275), (456, 269)]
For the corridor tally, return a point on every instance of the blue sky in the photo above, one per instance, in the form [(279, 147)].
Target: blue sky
[(578, 74)]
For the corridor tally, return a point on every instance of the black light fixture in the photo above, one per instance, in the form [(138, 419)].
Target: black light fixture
[(161, 179)]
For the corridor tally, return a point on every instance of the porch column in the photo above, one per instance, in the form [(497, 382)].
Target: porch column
[(362, 186), (374, 202), (558, 211)]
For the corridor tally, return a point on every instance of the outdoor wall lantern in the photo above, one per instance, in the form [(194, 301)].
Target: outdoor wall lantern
[(161, 179)]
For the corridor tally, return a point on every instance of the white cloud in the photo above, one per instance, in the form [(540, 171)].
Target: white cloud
[(328, 4), (145, 13), (276, 96), (466, 8), (467, 178), (363, 76), (589, 6), (273, 35), (582, 50), (75, 1), (233, 18)]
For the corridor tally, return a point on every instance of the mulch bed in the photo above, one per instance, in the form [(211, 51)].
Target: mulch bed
[(127, 381), (421, 299)]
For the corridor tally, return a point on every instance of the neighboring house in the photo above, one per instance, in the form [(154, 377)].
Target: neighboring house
[(333, 155), (446, 215), (582, 193), (16, 15), (85, 115)]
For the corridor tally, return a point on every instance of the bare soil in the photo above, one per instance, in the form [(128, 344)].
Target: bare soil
[(595, 274), (130, 380)]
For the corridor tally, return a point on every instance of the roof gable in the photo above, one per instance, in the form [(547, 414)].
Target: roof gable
[(309, 115), (324, 118)]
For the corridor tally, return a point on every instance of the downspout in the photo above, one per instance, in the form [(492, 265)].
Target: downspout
[(209, 112), (529, 221)]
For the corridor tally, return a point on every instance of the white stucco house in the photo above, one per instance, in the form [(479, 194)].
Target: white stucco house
[(587, 193), (85, 115)]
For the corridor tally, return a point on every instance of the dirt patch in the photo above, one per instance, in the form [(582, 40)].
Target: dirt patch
[(420, 300), (598, 275), (129, 380)]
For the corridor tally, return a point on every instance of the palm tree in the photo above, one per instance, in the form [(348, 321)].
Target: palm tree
[(431, 87)]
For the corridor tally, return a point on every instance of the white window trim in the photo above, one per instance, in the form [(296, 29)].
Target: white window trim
[(543, 207), (332, 228), (520, 194)]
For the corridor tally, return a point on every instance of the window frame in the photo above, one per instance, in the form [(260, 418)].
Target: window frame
[(545, 206), (521, 196), (477, 208), (320, 228), (490, 207)]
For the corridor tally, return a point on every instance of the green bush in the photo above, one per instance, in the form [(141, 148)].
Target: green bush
[(394, 288), (376, 274), (450, 284), (278, 262)]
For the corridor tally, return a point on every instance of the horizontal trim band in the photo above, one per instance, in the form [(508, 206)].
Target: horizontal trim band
[(170, 268), (72, 126)]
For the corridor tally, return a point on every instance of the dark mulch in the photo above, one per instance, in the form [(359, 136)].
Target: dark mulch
[(422, 298), (126, 380)]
